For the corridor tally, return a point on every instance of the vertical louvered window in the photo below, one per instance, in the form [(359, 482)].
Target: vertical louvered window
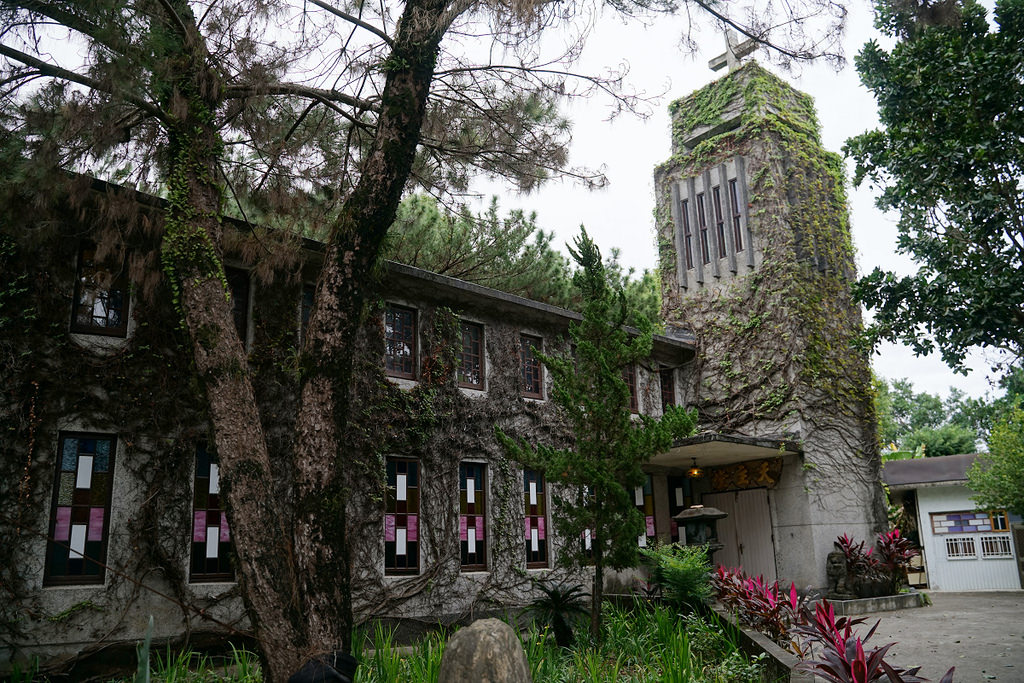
[(719, 221), (687, 234), (629, 376), (702, 223), (734, 200), (668, 388)]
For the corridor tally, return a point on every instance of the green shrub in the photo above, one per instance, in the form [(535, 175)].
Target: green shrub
[(682, 572)]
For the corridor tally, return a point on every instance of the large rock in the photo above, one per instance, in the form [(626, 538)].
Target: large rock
[(486, 651)]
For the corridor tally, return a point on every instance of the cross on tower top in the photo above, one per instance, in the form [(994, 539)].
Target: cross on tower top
[(734, 52)]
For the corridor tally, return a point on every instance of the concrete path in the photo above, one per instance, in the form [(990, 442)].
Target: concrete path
[(980, 633)]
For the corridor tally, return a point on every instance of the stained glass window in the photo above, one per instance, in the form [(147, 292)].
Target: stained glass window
[(535, 505), (533, 376), (401, 517), (680, 497), (473, 515), (101, 297), (471, 358), (211, 536), (400, 342), (81, 509), (643, 498)]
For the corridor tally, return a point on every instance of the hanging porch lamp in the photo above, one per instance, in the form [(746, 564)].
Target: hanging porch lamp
[(695, 472)]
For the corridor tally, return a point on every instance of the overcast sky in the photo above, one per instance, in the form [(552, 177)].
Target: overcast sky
[(628, 149)]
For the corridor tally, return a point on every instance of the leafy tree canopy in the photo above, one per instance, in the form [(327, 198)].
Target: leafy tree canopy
[(948, 161), (510, 253), (998, 477), (597, 474)]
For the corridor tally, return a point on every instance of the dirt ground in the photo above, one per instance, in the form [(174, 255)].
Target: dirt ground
[(980, 633)]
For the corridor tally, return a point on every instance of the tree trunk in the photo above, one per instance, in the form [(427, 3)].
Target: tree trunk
[(192, 259), (597, 594), (321, 539)]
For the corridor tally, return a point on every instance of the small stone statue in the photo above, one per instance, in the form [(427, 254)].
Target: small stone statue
[(835, 570)]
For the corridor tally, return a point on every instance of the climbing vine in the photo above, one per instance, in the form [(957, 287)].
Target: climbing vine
[(777, 347)]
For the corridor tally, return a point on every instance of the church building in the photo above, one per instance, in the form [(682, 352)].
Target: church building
[(111, 497)]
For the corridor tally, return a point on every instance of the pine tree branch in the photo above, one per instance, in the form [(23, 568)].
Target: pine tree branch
[(57, 72), (355, 20), (319, 94)]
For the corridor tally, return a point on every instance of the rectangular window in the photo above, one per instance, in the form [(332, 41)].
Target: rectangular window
[(719, 221), (668, 388), (401, 517), (535, 505), (80, 519), (472, 515), (961, 548), (967, 521), (702, 224), (629, 376), (643, 498), (1000, 522), (400, 342), (471, 359), (680, 497), (238, 285), (734, 200), (305, 309), (532, 372), (101, 297), (211, 537), (995, 547), (687, 234)]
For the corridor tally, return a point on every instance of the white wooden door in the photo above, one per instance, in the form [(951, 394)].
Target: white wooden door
[(746, 533)]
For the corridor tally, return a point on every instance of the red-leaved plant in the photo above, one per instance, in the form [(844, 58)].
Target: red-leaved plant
[(842, 657), (757, 603), (895, 555)]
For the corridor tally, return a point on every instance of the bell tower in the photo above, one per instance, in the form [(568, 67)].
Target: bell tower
[(756, 260)]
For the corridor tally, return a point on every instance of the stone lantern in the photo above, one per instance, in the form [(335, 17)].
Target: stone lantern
[(700, 527)]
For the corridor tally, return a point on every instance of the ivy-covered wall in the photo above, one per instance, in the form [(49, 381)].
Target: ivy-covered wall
[(141, 389), (777, 343)]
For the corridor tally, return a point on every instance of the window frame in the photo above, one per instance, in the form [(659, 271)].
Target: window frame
[(98, 579), (480, 356), (702, 225), (483, 503), (669, 391), (413, 342), (118, 283), (202, 576), (408, 570), (526, 341), (963, 543), (687, 233), (737, 215), (543, 526), (716, 196), (1002, 540)]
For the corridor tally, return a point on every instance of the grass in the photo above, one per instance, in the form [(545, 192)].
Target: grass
[(641, 645)]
